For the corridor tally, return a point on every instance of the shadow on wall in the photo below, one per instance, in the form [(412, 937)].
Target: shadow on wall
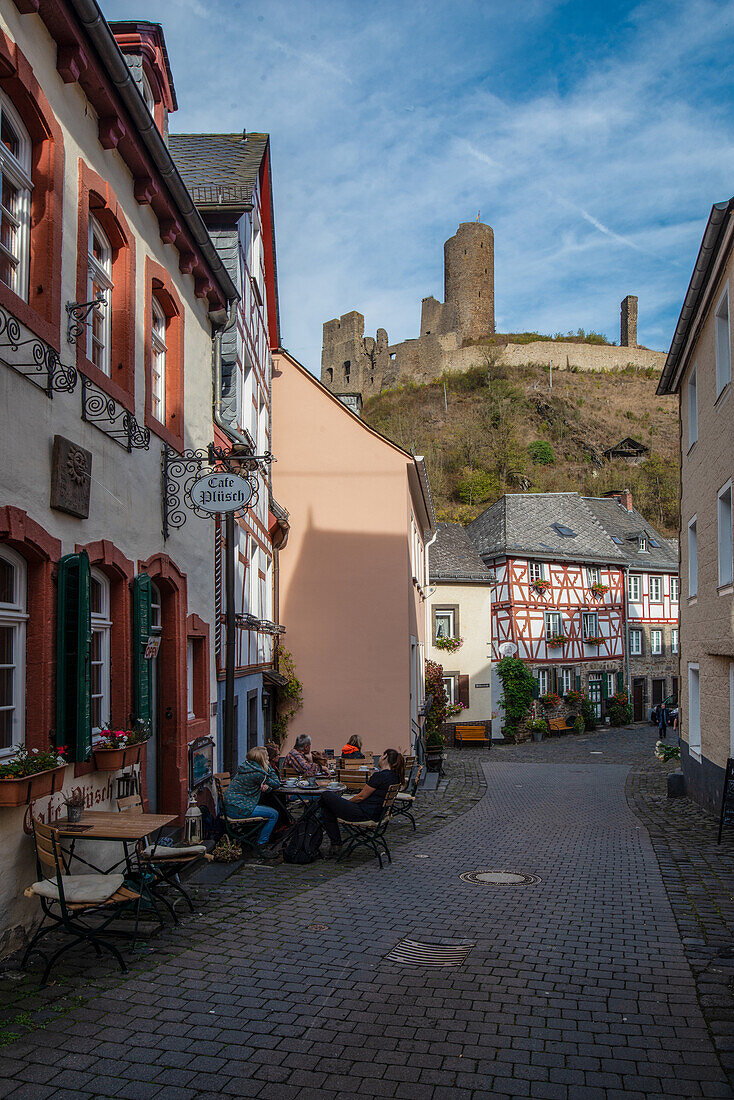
[(349, 608)]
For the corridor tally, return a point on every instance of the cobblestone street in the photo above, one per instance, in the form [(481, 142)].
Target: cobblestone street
[(595, 981)]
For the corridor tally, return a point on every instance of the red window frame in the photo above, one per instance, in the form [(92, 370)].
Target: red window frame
[(158, 284)]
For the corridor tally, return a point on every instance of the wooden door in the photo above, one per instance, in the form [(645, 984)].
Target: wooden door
[(658, 692), (638, 700), (595, 694)]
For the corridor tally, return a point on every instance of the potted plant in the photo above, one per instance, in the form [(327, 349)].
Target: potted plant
[(449, 644), (556, 641), (74, 805), (538, 728), (540, 586), (32, 773), (434, 751), (578, 724), (593, 639), (598, 589), (118, 748)]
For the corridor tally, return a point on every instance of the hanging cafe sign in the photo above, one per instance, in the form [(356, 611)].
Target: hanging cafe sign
[(209, 482)]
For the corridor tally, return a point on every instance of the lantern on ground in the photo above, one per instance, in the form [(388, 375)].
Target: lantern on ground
[(193, 822)]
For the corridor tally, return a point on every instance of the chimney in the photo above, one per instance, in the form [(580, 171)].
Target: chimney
[(628, 327), (623, 497)]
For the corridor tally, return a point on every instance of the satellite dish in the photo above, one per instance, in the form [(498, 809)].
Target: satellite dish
[(508, 649)]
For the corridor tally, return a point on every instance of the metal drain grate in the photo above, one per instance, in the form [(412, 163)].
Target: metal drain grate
[(499, 878), (415, 953)]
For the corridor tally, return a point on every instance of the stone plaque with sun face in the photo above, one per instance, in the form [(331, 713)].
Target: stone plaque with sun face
[(71, 477)]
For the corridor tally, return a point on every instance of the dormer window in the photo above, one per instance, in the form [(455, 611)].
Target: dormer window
[(642, 547)]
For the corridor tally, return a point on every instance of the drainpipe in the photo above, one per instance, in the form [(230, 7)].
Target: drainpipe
[(625, 636), (229, 739)]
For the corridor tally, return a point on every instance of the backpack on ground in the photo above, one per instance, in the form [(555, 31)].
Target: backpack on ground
[(304, 843)]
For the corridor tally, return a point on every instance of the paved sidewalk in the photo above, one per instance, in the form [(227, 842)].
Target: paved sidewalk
[(575, 987)]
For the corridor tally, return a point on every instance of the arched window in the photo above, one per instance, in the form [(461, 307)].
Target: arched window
[(155, 609), (100, 659), (158, 363), (99, 282), (15, 205), (12, 648), (329, 374)]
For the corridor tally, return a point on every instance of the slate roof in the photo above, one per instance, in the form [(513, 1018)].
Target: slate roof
[(219, 169), (627, 445), (522, 523), (453, 556), (616, 520)]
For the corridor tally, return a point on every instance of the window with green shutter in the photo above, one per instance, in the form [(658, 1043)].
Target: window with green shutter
[(73, 651), (142, 667)]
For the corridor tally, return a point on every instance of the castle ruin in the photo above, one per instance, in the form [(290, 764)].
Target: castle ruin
[(455, 334)]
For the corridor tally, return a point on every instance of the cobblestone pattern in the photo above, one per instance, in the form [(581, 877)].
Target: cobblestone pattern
[(575, 988)]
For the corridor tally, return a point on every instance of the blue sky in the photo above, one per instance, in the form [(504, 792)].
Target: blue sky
[(593, 137)]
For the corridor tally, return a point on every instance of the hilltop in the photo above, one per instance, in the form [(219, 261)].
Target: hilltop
[(495, 429)]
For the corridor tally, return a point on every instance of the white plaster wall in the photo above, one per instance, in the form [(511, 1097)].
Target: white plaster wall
[(474, 658)]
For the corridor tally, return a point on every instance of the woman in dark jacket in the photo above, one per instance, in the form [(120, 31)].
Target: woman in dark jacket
[(367, 804), (243, 796)]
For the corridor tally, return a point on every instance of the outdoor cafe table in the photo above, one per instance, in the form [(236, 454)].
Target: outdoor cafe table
[(126, 828)]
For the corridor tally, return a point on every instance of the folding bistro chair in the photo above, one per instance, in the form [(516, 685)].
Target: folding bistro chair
[(405, 799), (66, 900), (242, 830), (370, 834), (165, 861)]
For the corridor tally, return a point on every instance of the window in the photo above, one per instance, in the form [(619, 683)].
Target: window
[(617, 539), (590, 624), (12, 648), (444, 621), (190, 678), (99, 284), (449, 683), (99, 602), (723, 349), (692, 408), (593, 575), (642, 544), (346, 370), (694, 710), (726, 564), (566, 680), (543, 681), (563, 531), (656, 642), (674, 589), (674, 640), (158, 363), (537, 571), (553, 623), (329, 375), (155, 609), (656, 589), (692, 558), (15, 206), (635, 643), (634, 587)]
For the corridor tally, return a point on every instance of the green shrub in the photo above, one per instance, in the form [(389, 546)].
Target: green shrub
[(588, 714), (477, 486), (620, 714), (541, 453), (578, 724), (518, 684)]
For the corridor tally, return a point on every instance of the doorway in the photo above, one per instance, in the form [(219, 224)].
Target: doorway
[(638, 699), (595, 694), (153, 746), (251, 720), (658, 692)]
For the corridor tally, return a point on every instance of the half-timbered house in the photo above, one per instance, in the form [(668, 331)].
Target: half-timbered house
[(561, 580)]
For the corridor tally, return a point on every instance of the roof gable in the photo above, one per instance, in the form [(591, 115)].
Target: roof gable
[(219, 169), (543, 525), (453, 556)]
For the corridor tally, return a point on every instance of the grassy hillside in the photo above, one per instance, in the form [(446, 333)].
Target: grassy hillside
[(501, 429)]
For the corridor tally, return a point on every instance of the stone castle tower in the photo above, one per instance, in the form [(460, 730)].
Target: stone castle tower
[(454, 334), (352, 363)]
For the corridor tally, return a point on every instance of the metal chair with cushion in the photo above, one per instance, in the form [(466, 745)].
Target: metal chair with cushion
[(241, 830), (405, 799), (67, 900), (370, 834)]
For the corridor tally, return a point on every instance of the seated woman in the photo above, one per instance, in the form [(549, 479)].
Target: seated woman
[(353, 749), (302, 760), (366, 805), (254, 779)]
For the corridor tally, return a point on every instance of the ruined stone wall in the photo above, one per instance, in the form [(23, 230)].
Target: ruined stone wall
[(468, 273)]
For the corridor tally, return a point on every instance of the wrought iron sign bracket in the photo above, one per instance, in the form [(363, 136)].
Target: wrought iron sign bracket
[(116, 422), (181, 470), (33, 358), (77, 314)]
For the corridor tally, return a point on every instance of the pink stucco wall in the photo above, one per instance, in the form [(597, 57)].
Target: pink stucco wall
[(347, 598)]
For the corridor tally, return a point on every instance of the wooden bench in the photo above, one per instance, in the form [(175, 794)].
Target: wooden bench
[(559, 725), (468, 735)]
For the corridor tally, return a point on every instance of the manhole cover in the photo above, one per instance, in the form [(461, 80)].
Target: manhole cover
[(440, 953), (317, 927), (499, 878)]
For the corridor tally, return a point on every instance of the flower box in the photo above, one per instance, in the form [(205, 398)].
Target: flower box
[(593, 640), (21, 789), (112, 760), (550, 700), (540, 586), (449, 644), (599, 589), (556, 641)]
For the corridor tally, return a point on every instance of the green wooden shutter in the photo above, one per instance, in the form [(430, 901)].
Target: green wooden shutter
[(578, 683), (73, 654), (142, 668), (620, 681), (536, 688)]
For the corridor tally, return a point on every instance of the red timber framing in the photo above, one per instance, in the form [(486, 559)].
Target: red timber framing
[(519, 612), (77, 62)]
